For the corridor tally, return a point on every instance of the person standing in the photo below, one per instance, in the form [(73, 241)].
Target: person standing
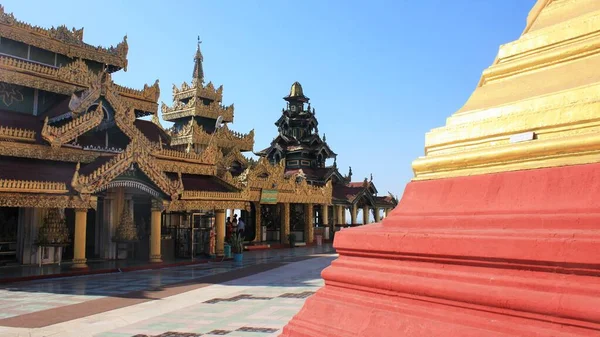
[(241, 227)]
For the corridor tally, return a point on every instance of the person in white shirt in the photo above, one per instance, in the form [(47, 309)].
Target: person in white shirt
[(241, 226)]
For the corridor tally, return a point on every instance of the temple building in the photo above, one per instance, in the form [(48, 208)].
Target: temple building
[(302, 151), (81, 174)]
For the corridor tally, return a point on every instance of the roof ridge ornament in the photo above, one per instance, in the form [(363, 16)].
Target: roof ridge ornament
[(198, 74)]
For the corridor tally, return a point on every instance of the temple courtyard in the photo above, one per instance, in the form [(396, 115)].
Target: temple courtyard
[(254, 298)]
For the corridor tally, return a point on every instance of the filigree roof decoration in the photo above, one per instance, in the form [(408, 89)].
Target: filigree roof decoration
[(196, 107), (62, 40), (66, 80), (224, 137), (207, 91), (9, 133), (30, 186), (57, 136), (135, 152)]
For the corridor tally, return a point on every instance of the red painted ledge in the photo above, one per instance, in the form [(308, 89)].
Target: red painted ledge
[(88, 271), (498, 255)]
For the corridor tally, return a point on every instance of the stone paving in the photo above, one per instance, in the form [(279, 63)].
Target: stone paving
[(257, 305)]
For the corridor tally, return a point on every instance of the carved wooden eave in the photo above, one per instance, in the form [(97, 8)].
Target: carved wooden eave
[(57, 136), (242, 195), (37, 200), (22, 135), (61, 40), (196, 107), (207, 157), (169, 165), (267, 176), (224, 162), (74, 77), (224, 137), (44, 152), (23, 186), (134, 153), (195, 205), (198, 90)]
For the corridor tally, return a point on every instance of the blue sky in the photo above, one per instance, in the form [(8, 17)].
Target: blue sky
[(379, 73)]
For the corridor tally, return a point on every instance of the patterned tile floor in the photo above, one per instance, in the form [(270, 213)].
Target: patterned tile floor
[(267, 303), (28, 297)]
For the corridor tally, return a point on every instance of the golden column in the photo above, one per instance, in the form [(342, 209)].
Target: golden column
[(365, 215), (285, 222), (220, 231), (155, 229), (309, 226), (387, 211), (339, 215), (79, 260), (376, 211), (258, 222), (325, 215), (343, 215), (353, 214)]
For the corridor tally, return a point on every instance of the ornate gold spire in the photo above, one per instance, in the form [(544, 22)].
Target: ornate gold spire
[(198, 70)]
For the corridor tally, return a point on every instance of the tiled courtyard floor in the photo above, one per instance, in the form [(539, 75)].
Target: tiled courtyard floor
[(256, 298)]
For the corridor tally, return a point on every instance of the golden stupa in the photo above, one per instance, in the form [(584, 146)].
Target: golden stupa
[(535, 106)]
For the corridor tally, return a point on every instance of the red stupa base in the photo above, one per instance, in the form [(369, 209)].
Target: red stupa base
[(508, 254)]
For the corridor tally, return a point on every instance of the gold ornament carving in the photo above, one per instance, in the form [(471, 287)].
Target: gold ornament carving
[(223, 137), (134, 153), (169, 165), (45, 201), (57, 136), (54, 230), (61, 40), (33, 186), (193, 205), (44, 152), (126, 230), (8, 133), (195, 107), (198, 90)]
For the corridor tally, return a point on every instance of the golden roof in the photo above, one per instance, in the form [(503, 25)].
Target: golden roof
[(296, 90)]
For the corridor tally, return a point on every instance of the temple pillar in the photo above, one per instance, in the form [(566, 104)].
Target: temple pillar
[(343, 215), (258, 222), (155, 231), (220, 219), (285, 222), (387, 211), (79, 260), (339, 219), (353, 214), (309, 226), (376, 210), (366, 217)]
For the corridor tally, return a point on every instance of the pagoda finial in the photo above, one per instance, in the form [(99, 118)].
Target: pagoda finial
[(198, 70), (371, 178), (350, 172), (324, 137)]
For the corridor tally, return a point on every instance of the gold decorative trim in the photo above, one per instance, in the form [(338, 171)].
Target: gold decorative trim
[(46, 201), (582, 149), (208, 91), (193, 205), (44, 152), (61, 40), (205, 195), (9, 133), (169, 165), (32, 186), (57, 136), (197, 108), (224, 137)]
